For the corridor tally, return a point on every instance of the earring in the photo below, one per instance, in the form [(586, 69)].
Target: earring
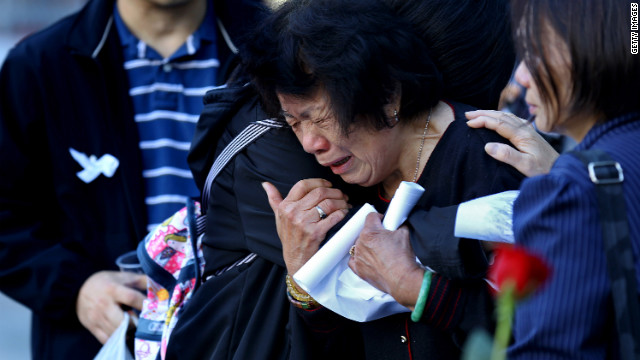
[(395, 116)]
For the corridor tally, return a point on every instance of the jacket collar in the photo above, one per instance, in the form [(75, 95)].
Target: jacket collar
[(92, 27), (206, 32), (236, 16), (89, 32), (599, 130)]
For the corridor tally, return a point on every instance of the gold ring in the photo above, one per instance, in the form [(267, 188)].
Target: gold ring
[(352, 251)]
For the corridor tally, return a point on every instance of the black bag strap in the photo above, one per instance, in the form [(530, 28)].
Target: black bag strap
[(193, 229), (607, 176), (197, 224), (248, 135)]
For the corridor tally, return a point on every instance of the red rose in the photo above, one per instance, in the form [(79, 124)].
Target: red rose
[(516, 273), (515, 265)]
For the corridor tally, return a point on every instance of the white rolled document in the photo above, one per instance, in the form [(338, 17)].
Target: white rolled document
[(328, 278)]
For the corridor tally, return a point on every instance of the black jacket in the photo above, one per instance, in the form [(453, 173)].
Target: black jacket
[(62, 88), (244, 313)]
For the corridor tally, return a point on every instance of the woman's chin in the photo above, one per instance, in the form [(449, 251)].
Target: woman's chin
[(350, 179)]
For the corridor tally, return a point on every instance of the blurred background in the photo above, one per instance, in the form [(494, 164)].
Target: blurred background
[(20, 18), (17, 20)]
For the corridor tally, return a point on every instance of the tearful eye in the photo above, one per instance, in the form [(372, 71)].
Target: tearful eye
[(289, 119), (323, 123)]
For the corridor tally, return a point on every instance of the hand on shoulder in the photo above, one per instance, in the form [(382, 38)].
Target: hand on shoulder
[(532, 154)]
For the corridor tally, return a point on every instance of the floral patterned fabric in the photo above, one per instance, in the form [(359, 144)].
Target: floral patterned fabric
[(167, 257)]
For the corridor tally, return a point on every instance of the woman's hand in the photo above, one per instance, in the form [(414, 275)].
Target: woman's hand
[(385, 259), (532, 154), (298, 219)]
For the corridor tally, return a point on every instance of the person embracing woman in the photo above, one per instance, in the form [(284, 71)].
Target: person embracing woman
[(581, 78), (363, 94)]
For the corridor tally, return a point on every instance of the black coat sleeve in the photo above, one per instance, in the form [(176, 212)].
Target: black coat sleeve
[(432, 238)]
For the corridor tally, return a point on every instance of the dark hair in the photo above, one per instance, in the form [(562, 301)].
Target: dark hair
[(470, 42), (604, 73), (357, 51)]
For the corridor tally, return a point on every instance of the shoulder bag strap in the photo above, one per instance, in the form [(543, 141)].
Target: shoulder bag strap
[(607, 176), (252, 132), (247, 136)]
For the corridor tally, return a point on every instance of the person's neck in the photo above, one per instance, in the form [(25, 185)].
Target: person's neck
[(578, 127), (441, 117), (164, 28)]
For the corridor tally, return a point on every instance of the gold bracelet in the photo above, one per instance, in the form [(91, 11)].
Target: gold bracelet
[(295, 293)]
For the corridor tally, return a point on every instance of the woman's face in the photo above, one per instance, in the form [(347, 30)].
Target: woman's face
[(365, 157), (547, 116), (552, 114)]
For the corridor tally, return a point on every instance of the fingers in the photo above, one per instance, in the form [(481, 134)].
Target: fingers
[(130, 297), (382, 257), (273, 195), (304, 187), (373, 221), (307, 194), (325, 225), (140, 282), (327, 195), (97, 306), (371, 230), (372, 224), (331, 205), (300, 224), (112, 316), (100, 335), (505, 154), (532, 154), (132, 280), (128, 293), (507, 125), (304, 197)]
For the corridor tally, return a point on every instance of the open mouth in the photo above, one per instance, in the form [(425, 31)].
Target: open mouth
[(342, 161)]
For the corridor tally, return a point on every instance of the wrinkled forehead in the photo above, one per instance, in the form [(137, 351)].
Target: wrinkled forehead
[(304, 107)]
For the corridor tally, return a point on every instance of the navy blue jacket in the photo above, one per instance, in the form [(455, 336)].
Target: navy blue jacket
[(556, 216), (62, 88)]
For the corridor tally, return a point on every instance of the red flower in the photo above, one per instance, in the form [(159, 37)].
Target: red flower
[(514, 265)]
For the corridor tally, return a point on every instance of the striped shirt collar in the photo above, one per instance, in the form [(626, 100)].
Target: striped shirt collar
[(135, 48)]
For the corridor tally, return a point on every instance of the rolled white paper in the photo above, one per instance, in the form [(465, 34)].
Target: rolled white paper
[(336, 249), (403, 201), (328, 278)]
